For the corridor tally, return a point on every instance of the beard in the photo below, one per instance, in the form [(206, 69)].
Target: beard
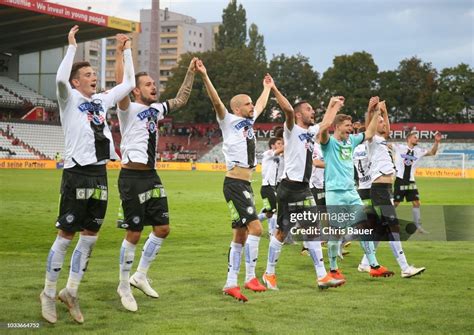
[(146, 100)]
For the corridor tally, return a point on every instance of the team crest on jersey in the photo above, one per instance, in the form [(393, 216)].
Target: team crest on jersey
[(408, 160), (95, 119), (308, 139), (151, 126), (248, 133)]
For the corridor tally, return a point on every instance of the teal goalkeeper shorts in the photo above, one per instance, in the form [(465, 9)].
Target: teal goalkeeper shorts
[(345, 207)]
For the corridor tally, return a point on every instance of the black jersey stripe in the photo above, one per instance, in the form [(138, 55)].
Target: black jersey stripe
[(101, 142), (250, 147)]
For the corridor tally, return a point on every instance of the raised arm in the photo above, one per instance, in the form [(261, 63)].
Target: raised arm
[(373, 103), (263, 99), (372, 128), (334, 106), (384, 113), (285, 107), (127, 84), (64, 71), (184, 92), (434, 148), (211, 91), (119, 71)]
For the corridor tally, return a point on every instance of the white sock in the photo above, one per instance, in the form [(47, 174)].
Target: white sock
[(127, 255), (233, 268), (55, 261), (272, 224), (365, 261), (274, 250), (79, 261), (262, 216), (314, 248), (251, 255), (150, 251), (397, 250), (416, 216)]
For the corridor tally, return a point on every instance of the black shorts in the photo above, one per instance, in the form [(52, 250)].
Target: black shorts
[(319, 195), (144, 201), (83, 200), (381, 195), (269, 197), (294, 199), (402, 190), (240, 200)]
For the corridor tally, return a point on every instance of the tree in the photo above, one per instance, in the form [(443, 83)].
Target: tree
[(417, 90), (256, 44), (455, 90), (295, 78), (354, 77), (233, 30), (231, 73), (388, 89)]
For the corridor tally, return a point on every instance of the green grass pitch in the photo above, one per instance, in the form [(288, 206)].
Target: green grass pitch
[(191, 270)]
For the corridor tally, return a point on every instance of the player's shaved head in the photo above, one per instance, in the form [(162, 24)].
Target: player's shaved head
[(238, 100)]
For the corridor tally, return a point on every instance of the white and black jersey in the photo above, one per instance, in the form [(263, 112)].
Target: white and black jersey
[(406, 160), (281, 169), (317, 174), (299, 146), (380, 158), (239, 141), (270, 168), (362, 165), (139, 128), (88, 139)]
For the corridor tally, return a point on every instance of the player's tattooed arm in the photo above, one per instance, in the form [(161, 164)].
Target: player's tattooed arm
[(184, 92)]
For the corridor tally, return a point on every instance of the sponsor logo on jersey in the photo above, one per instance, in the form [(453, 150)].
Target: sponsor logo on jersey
[(244, 123), (346, 153), (94, 106), (148, 113)]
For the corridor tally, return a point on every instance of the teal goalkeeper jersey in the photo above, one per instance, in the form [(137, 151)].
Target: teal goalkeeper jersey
[(339, 170)]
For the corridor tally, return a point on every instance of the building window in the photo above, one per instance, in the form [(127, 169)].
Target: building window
[(200, 34), (139, 52), (110, 53), (194, 33), (194, 44), (200, 45), (168, 62), (190, 32)]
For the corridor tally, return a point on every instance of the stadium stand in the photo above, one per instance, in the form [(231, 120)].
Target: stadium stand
[(18, 150), (17, 93), (46, 139), (439, 161)]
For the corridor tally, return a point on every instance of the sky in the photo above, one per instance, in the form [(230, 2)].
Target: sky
[(437, 31)]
